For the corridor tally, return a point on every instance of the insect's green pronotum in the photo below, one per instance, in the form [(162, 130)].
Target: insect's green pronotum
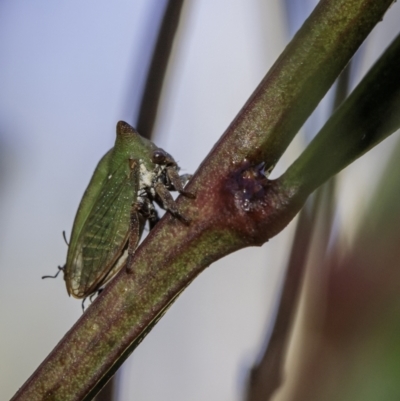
[(115, 207)]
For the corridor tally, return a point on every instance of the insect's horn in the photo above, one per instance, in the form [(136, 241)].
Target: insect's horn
[(124, 130)]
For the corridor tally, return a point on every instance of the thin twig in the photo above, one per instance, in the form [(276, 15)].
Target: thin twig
[(158, 68), (266, 376)]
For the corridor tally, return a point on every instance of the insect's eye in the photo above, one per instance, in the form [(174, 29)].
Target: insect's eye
[(159, 156)]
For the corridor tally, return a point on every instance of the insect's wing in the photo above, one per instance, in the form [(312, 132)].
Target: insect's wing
[(105, 233), (89, 197)]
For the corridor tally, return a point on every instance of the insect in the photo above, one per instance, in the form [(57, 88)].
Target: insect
[(115, 207)]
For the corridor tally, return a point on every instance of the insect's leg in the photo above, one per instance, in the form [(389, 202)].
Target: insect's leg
[(60, 269), (90, 299), (134, 235), (177, 182), (154, 218), (148, 211), (95, 294), (134, 221), (185, 178), (168, 202)]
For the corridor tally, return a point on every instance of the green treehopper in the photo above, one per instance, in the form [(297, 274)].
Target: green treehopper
[(115, 207)]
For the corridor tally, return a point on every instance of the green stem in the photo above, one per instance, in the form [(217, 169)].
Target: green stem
[(174, 253), (367, 117)]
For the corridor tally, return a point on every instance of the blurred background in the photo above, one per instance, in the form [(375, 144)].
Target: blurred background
[(70, 71)]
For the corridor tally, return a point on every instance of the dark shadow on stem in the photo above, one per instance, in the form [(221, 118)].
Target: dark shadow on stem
[(107, 393)]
